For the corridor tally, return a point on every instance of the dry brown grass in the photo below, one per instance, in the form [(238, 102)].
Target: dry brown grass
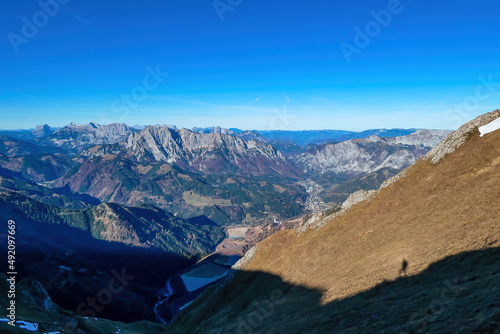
[(435, 211), (344, 277)]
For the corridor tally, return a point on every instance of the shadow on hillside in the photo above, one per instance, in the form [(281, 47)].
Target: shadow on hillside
[(85, 198), (459, 294), (202, 220), (74, 267)]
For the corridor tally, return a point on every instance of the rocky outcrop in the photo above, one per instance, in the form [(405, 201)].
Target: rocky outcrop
[(459, 137), (240, 265), (358, 196)]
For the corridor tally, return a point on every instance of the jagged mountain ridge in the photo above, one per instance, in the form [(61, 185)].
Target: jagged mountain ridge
[(207, 153)]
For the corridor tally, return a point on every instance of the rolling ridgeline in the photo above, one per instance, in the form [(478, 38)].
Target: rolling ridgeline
[(101, 198)]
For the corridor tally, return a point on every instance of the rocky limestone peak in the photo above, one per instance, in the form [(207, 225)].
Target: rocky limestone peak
[(73, 125), (207, 152), (42, 131), (370, 139)]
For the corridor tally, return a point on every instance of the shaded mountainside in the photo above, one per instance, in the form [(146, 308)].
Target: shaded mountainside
[(74, 254), (205, 152), (34, 305), (10, 146), (143, 226), (35, 168), (458, 294), (437, 223), (61, 197)]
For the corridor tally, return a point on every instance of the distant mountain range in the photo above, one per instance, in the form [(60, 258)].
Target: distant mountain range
[(229, 175), (92, 133), (76, 137)]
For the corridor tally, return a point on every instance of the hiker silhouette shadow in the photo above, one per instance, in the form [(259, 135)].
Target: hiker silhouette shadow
[(458, 294), (404, 267)]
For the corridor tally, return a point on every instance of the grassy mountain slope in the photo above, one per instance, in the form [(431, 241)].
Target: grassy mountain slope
[(434, 212)]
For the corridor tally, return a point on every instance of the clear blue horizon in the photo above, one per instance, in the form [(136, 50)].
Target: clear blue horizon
[(249, 64)]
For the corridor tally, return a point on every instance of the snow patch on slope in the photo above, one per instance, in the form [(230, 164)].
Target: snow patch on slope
[(490, 127)]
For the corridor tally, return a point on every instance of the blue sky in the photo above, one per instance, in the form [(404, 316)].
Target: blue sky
[(254, 64)]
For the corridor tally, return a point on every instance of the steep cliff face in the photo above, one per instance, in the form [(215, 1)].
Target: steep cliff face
[(417, 256), (204, 152)]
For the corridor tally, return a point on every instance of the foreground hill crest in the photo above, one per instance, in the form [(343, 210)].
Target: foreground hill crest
[(460, 137)]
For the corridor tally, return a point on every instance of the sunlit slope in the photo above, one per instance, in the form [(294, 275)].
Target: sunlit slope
[(441, 218), (433, 212)]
